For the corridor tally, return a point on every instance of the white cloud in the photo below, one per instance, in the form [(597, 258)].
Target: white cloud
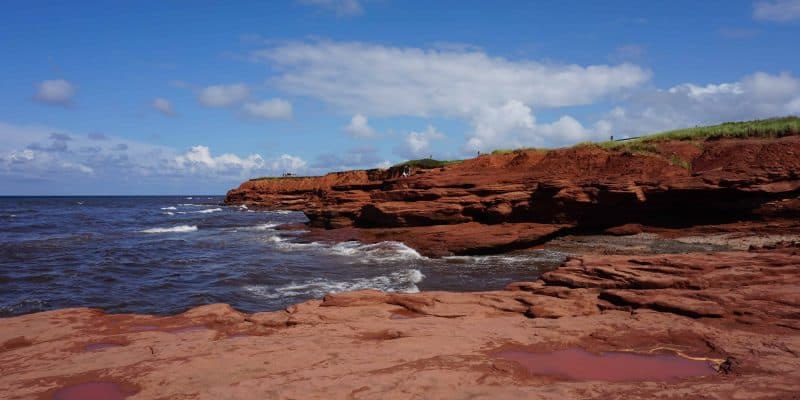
[(396, 81), (21, 156), (223, 95), (287, 163), (269, 109), (776, 10), (56, 92), (163, 106), (759, 95), (418, 144), (35, 153), (514, 125), (200, 157), (359, 127), (346, 8), (78, 167)]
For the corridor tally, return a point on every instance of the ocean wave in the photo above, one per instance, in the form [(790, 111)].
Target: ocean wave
[(387, 251), (509, 259), (404, 281), (174, 229), (206, 211), (169, 213), (23, 307), (169, 208), (262, 227), (276, 239)]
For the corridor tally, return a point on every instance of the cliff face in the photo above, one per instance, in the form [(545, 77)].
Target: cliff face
[(675, 184)]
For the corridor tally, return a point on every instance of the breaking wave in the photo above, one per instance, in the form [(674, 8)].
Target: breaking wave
[(509, 259), (388, 251), (174, 229), (209, 210), (404, 281), (261, 227)]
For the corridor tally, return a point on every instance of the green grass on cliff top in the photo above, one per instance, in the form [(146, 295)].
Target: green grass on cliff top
[(427, 163), (764, 128)]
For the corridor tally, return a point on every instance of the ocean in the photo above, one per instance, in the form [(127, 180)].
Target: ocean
[(164, 255)]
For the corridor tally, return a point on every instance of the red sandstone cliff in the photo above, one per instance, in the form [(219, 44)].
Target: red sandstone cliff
[(519, 199)]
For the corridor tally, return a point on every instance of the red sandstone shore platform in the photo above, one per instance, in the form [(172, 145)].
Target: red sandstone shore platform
[(734, 313)]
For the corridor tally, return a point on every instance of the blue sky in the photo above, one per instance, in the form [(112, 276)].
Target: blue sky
[(179, 97)]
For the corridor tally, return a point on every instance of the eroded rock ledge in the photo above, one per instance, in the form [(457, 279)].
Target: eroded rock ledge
[(519, 199), (737, 310)]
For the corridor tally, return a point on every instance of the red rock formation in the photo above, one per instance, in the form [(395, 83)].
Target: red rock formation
[(737, 311), (679, 184)]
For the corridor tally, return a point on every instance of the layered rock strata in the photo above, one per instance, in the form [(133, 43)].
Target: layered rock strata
[(581, 189)]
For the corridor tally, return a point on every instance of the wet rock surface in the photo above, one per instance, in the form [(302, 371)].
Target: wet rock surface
[(733, 312)]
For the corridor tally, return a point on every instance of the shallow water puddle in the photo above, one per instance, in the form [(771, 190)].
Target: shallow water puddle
[(92, 391), (579, 364)]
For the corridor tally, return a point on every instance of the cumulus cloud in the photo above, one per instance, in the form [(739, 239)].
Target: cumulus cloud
[(359, 127), (269, 109), (55, 92), (381, 80), (223, 95), (777, 10), (36, 153), (514, 125), (163, 106), (759, 95), (418, 144), (78, 167), (345, 8)]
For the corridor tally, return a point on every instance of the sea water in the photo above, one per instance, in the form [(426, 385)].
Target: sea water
[(163, 255)]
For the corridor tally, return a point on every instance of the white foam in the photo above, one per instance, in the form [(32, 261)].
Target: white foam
[(507, 259), (169, 213), (262, 227), (206, 211), (382, 252), (174, 229), (284, 212), (400, 281), (169, 208)]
